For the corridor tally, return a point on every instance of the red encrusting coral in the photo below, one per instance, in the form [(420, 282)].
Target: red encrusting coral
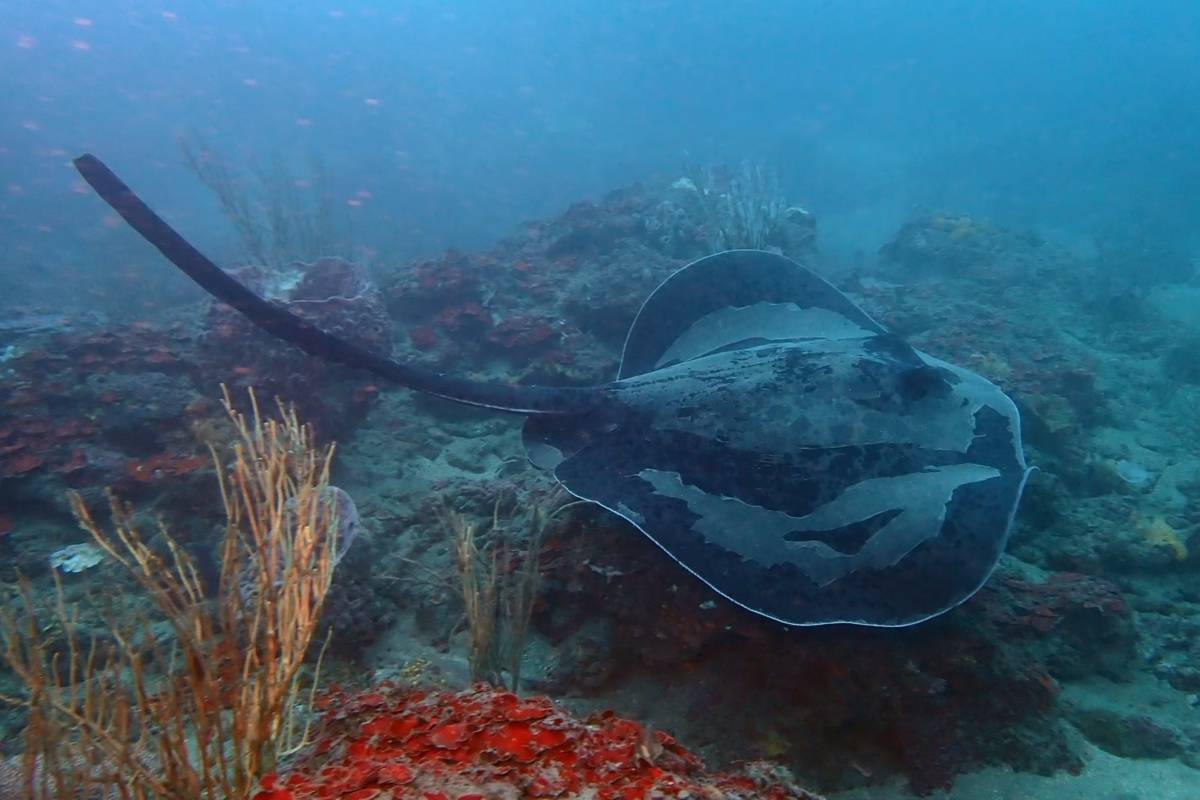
[(30, 443), (49, 418), (523, 332), (139, 347), (423, 337), (464, 318), (411, 743), (164, 465), (1045, 606)]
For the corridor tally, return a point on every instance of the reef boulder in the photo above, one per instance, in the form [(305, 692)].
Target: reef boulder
[(331, 293)]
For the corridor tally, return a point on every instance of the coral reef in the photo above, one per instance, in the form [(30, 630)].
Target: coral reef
[(1097, 598), (93, 408), (201, 700), (552, 303), (991, 667), (331, 293), (939, 244)]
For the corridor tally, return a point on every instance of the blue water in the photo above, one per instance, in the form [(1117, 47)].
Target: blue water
[(445, 125), (456, 120)]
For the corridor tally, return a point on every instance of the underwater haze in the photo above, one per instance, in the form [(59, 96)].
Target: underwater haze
[(450, 122), (785, 400)]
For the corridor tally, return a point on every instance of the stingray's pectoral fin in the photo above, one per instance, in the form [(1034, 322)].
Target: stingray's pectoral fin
[(280, 322), (738, 299), (885, 552)]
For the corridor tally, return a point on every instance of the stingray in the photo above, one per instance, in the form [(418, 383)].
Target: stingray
[(765, 432)]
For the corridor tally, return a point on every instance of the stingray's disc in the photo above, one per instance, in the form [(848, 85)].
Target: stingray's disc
[(782, 446)]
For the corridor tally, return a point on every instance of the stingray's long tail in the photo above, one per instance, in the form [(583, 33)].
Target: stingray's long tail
[(281, 323)]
